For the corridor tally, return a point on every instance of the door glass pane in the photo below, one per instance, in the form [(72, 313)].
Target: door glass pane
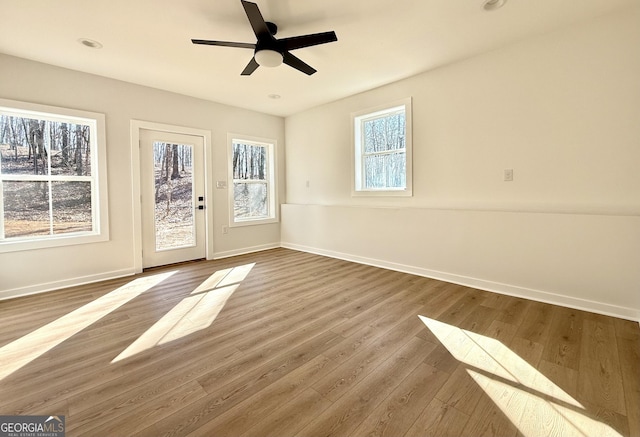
[(174, 197)]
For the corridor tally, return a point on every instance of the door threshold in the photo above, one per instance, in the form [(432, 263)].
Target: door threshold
[(164, 266)]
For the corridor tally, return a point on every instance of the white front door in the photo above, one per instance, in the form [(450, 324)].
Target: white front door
[(172, 187)]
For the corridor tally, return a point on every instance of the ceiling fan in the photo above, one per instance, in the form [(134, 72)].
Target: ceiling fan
[(268, 50)]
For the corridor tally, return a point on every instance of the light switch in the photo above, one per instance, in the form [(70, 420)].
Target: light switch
[(508, 175)]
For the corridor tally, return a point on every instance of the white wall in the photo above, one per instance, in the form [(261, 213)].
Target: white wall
[(31, 271), (561, 109)]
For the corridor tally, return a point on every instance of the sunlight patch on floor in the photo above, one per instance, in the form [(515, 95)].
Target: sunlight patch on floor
[(516, 387), (22, 351), (193, 313)]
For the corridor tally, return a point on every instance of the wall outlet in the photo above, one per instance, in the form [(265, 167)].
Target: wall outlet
[(508, 175), (225, 229)]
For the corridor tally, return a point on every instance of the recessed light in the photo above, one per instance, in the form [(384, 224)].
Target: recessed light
[(90, 43), (492, 5), (274, 96)]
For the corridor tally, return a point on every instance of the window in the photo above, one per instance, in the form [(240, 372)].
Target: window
[(52, 177), (252, 166), (382, 144)]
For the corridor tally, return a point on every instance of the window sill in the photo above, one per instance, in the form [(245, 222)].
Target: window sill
[(57, 241), (382, 193), (252, 222)]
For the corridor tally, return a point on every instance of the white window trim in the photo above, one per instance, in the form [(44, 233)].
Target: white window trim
[(356, 167), (99, 196), (272, 192)]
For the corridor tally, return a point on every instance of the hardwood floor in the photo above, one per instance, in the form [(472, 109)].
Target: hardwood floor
[(285, 343)]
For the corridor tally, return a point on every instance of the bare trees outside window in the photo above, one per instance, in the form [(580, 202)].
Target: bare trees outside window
[(253, 191), (382, 145), (47, 175), (385, 158)]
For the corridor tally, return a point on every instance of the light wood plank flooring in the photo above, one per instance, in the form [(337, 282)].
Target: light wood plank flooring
[(285, 343)]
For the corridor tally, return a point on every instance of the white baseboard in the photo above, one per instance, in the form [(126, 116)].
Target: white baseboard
[(82, 280), (245, 250), (56, 285), (496, 287)]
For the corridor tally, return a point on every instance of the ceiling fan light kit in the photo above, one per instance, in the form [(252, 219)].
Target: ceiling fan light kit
[(268, 50), (268, 58)]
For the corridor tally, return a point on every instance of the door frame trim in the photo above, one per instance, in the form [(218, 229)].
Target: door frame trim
[(136, 174)]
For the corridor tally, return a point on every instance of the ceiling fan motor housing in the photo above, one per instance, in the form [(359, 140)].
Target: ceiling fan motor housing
[(273, 29)]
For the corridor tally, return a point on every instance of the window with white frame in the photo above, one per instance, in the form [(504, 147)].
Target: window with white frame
[(253, 193), (382, 146), (52, 177)]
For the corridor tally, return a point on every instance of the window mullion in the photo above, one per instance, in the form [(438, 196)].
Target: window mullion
[(363, 156), (36, 178), (1, 209), (50, 187), (250, 181), (386, 152), (47, 148)]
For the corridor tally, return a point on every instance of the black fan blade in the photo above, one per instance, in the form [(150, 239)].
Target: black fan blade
[(241, 45), (255, 18), (250, 68), (296, 63), (298, 42)]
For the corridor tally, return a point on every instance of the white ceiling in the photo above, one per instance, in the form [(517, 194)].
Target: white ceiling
[(379, 41)]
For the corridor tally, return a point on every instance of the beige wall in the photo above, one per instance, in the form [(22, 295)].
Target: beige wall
[(23, 80), (562, 110)]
